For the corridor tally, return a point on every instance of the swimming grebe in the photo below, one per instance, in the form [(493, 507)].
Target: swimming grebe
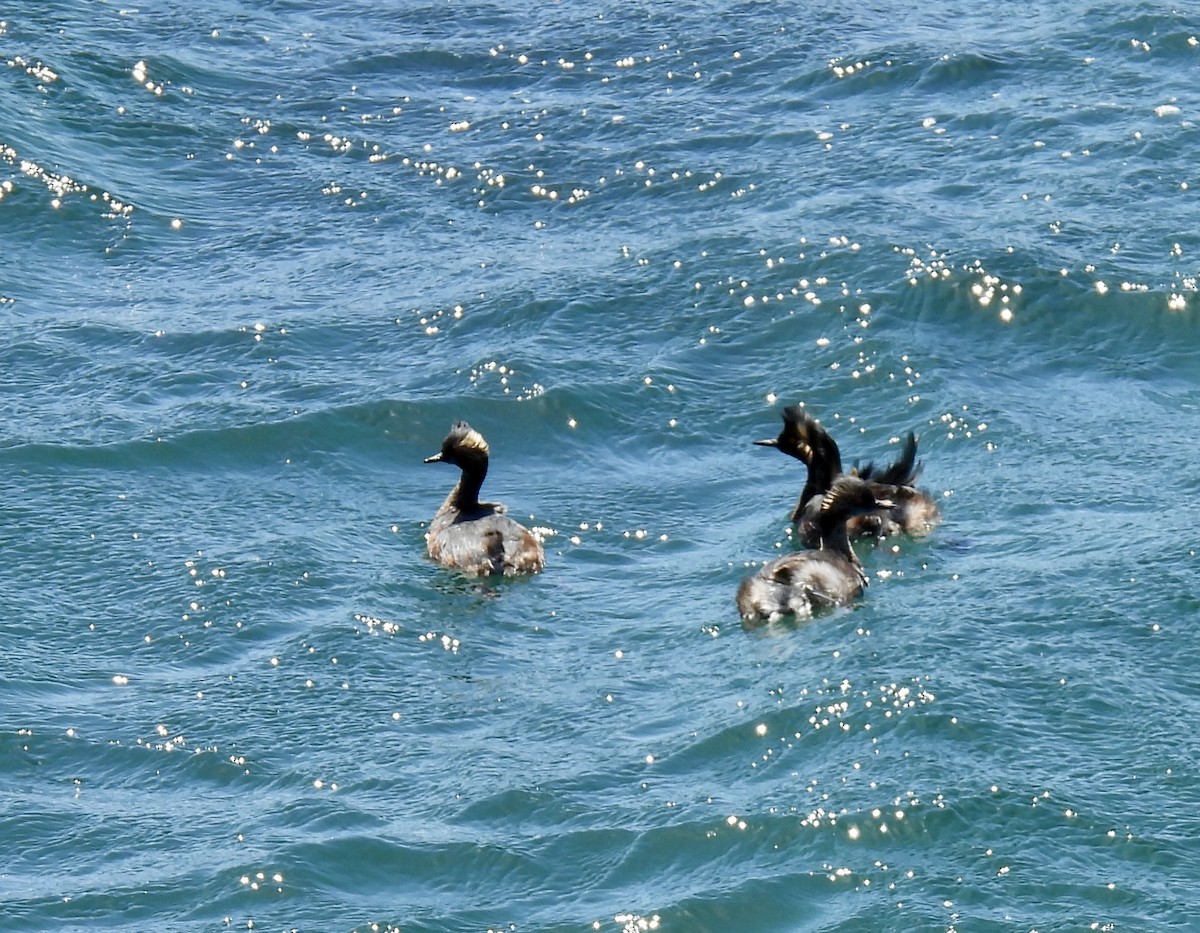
[(828, 575), (477, 537), (912, 512)]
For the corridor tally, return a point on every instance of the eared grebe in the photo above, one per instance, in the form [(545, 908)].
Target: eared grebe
[(477, 537), (911, 512), (828, 575)]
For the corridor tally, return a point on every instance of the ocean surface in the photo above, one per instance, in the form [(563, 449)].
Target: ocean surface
[(255, 259)]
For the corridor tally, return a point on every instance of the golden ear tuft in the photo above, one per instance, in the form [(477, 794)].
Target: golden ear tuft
[(463, 437), (473, 440)]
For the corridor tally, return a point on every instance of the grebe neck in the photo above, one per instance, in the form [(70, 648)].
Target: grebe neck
[(465, 495)]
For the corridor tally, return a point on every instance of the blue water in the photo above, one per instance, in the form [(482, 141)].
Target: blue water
[(255, 258)]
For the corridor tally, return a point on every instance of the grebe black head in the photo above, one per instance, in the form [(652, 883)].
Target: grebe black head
[(473, 536), (463, 445), (804, 439)]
